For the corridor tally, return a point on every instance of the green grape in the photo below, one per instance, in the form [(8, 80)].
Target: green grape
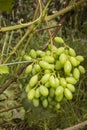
[(52, 66), (33, 81), (27, 58), (81, 69), (45, 103), (74, 61), (52, 47), (48, 59), (59, 91), (35, 102), (67, 67), (59, 98), (66, 51), (31, 94), (37, 93), (40, 53), (57, 106), (68, 94), (60, 50), (50, 99), (72, 52), (28, 69), (57, 81), (43, 90), (48, 53), (63, 82), (32, 53), (47, 71), (27, 88), (62, 58), (71, 80), (45, 78), (34, 71), (58, 65), (71, 87), (76, 73), (44, 65), (51, 92), (80, 58), (47, 84), (52, 81), (37, 68), (59, 40)]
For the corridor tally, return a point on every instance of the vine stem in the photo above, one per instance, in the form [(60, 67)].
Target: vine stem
[(65, 10), (4, 45), (58, 26), (10, 108), (47, 18), (76, 127), (4, 29)]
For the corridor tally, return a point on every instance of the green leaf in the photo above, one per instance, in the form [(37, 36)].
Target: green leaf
[(6, 5), (4, 70)]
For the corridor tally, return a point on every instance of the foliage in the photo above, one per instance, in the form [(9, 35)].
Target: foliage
[(4, 69), (16, 112), (6, 5)]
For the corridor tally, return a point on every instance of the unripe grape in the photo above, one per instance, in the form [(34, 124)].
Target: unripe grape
[(67, 67), (28, 69), (59, 91), (27, 57), (43, 90), (52, 81), (40, 53), (33, 81), (59, 40), (68, 94), (57, 81), (37, 93), (48, 59), (36, 102), (71, 80), (44, 65), (72, 52), (73, 61), (45, 103), (76, 74), (31, 94), (59, 98), (27, 88), (63, 82), (32, 53), (45, 78), (48, 53), (58, 65), (62, 58), (51, 92), (81, 69), (37, 68), (80, 58), (60, 50), (71, 87), (57, 106)]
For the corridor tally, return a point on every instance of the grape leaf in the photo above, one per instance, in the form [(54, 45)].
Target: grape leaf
[(6, 5), (4, 70)]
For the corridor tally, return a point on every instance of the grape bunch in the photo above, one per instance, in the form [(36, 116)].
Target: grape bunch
[(53, 75)]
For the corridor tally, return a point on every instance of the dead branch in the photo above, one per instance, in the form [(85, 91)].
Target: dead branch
[(76, 127), (10, 108)]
